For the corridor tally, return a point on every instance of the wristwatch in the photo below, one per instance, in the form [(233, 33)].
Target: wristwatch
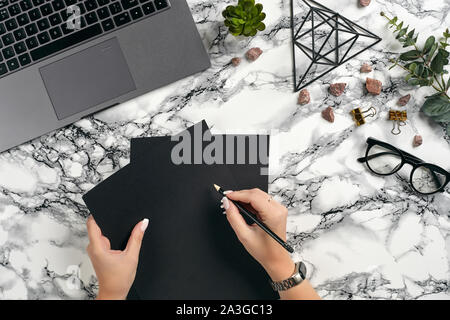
[(297, 278)]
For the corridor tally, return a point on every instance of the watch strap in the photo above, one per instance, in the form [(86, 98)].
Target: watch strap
[(297, 278)]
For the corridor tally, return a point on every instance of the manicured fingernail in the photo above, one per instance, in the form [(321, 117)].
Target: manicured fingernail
[(225, 202), (144, 225), (221, 206), (224, 212), (227, 192)]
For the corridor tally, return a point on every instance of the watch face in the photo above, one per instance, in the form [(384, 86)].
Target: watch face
[(302, 270)]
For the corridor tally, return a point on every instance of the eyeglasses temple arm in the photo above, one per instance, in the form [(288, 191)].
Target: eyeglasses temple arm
[(375, 155), (407, 156)]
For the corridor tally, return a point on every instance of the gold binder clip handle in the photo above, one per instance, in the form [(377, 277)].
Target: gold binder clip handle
[(372, 111), (396, 128)]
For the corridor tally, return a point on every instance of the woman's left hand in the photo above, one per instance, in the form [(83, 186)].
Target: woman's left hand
[(115, 269)]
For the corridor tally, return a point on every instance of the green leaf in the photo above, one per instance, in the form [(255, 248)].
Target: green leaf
[(419, 70), (444, 52), (237, 21), (437, 64), (259, 6), (247, 6), (236, 30), (448, 84), (446, 33), (414, 82), (408, 42), (428, 44), (442, 118), (424, 83), (448, 129), (432, 51), (402, 32), (248, 29), (239, 12), (410, 55), (261, 26), (436, 105), (412, 66)]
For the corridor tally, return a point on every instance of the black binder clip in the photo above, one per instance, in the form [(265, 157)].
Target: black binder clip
[(359, 116)]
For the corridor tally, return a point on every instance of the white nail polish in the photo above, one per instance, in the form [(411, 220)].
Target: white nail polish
[(227, 192), (224, 212), (226, 204), (144, 225), (221, 206)]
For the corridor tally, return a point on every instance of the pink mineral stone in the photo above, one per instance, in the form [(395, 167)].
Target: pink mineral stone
[(417, 141), (366, 68), (373, 86), (364, 3), (404, 100), (328, 114), (304, 97), (253, 54), (236, 61), (336, 89)]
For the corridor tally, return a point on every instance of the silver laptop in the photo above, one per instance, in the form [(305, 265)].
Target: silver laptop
[(61, 60)]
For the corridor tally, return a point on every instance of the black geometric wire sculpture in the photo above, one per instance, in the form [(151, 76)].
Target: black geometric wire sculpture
[(329, 41)]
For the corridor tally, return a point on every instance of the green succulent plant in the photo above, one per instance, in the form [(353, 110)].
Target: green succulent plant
[(245, 18)]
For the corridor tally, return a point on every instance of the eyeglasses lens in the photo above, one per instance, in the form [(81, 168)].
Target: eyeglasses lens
[(427, 180), (382, 160)]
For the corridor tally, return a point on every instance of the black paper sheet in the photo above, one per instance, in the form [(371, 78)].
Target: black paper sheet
[(189, 250)]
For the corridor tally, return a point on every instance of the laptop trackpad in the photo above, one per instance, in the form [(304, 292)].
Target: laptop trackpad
[(87, 78)]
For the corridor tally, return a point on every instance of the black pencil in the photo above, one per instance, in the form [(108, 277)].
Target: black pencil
[(251, 216)]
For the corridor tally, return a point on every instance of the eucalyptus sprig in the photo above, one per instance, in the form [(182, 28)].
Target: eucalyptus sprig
[(425, 67)]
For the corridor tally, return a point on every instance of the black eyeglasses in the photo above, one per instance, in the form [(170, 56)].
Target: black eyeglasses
[(384, 159)]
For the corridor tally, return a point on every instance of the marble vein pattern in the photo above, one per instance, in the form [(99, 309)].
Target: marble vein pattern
[(361, 236)]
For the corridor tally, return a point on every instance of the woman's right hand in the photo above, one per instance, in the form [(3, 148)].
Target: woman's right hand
[(269, 253)]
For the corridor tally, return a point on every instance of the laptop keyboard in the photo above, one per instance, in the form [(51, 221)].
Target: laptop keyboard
[(32, 30)]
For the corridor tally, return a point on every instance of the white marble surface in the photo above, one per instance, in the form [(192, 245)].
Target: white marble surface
[(362, 236)]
